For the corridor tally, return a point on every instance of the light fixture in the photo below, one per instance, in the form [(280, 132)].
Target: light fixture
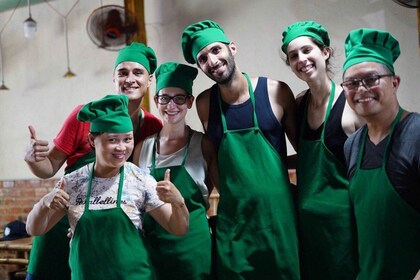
[(69, 73), (29, 25)]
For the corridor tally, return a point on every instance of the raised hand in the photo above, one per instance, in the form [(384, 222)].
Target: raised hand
[(37, 150), (57, 199), (167, 191)]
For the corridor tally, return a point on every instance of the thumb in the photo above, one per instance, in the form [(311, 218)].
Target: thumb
[(62, 184), (167, 175), (32, 132)]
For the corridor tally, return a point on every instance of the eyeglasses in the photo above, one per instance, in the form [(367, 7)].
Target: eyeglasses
[(178, 99), (368, 82)]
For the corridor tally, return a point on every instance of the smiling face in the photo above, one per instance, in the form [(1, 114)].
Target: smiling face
[(132, 79), (306, 59), (377, 100), (173, 113), (112, 150), (217, 61)]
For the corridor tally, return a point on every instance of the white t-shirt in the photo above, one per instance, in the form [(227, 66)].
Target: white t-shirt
[(138, 194), (195, 164)]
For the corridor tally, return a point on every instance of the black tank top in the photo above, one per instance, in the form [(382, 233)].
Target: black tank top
[(240, 116), (334, 133)]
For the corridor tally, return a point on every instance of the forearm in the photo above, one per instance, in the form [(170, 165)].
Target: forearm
[(41, 218), (179, 219), (45, 166), (42, 169)]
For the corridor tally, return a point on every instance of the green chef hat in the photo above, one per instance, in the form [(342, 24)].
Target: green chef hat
[(172, 74), (140, 53), (371, 45), (109, 114), (198, 35), (304, 28)]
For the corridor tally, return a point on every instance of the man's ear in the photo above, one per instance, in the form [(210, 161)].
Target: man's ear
[(150, 80), (232, 47), (396, 81)]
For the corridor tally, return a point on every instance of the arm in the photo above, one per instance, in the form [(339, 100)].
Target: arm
[(48, 211), (43, 163), (209, 154), (350, 120), (284, 107), (202, 105), (174, 216), (137, 152)]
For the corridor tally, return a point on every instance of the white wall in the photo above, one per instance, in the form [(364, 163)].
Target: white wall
[(39, 95)]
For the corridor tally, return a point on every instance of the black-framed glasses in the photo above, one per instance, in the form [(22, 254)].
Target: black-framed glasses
[(179, 99), (368, 82)]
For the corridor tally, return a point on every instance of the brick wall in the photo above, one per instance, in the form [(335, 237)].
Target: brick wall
[(16, 200), (18, 197)]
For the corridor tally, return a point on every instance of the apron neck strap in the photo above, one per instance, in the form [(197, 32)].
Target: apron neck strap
[(330, 103), (89, 189), (388, 144), (185, 151), (327, 113), (251, 94)]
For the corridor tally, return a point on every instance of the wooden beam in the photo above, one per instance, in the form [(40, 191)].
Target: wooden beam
[(136, 7), (14, 261)]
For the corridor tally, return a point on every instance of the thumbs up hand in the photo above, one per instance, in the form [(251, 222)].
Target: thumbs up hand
[(37, 150), (57, 199), (167, 192)]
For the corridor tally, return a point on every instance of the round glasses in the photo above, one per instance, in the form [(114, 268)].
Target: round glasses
[(368, 82), (178, 99)]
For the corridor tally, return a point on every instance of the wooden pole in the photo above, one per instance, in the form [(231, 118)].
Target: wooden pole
[(136, 7)]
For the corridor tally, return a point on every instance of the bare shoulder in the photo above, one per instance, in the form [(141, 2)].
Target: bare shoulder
[(202, 104), (202, 96), (280, 94), (283, 105), (350, 121), (281, 98)]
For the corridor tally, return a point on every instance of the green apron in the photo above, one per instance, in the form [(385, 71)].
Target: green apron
[(388, 227), (256, 221), (49, 257), (107, 245), (180, 257), (327, 232)]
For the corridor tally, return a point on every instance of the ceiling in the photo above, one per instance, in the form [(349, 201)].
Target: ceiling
[(11, 4)]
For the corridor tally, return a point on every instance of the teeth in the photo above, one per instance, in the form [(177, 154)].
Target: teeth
[(363, 100), (306, 68)]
